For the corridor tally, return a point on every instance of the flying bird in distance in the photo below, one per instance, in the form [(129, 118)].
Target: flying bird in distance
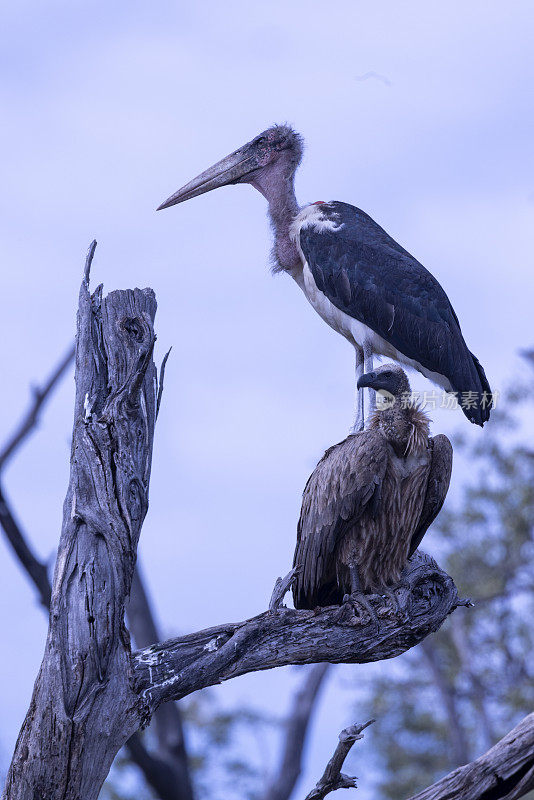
[(357, 278), (370, 500)]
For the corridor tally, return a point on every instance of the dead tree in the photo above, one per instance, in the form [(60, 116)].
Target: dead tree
[(165, 770), (92, 692), (505, 772)]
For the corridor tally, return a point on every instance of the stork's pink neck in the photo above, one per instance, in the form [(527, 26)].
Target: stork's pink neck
[(276, 184)]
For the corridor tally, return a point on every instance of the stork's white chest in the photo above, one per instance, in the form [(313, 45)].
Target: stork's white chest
[(352, 329), (332, 315), (356, 332)]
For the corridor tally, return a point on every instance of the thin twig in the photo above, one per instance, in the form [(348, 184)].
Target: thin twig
[(89, 262), (161, 379), (332, 778), (281, 588), (31, 418)]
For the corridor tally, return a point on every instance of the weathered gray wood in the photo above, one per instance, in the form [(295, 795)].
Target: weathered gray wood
[(174, 669), (281, 588), (332, 778), (83, 706), (505, 772)]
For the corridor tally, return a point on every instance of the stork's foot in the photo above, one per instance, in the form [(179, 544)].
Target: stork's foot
[(357, 603)]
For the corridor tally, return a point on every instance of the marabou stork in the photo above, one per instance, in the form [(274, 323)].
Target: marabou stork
[(370, 500), (360, 281)]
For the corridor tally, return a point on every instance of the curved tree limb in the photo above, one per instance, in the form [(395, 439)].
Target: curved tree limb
[(35, 569), (174, 669), (505, 772), (31, 419), (332, 778)]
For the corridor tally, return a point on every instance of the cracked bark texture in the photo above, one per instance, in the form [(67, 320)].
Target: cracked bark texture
[(173, 669), (505, 772), (83, 706)]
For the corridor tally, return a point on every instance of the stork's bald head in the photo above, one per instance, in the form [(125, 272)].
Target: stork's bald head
[(276, 150)]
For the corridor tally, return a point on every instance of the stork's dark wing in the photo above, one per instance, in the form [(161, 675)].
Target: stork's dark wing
[(439, 478), (346, 481), (366, 274)]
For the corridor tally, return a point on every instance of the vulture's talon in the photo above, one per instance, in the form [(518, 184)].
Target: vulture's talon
[(358, 601), (400, 608)]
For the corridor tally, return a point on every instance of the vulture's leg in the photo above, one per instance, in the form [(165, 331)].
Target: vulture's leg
[(359, 420), (355, 583), (357, 599), (368, 367)]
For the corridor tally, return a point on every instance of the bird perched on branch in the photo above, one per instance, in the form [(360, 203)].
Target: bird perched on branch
[(360, 281), (370, 500)]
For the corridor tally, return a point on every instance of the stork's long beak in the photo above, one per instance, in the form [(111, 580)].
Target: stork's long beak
[(229, 170)]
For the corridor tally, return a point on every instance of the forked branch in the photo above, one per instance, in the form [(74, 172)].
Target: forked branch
[(332, 778)]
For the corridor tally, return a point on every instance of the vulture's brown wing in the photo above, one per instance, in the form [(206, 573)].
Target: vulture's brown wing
[(344, 483), (439, 478)]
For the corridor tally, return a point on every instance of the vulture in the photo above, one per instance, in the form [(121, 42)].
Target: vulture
[(370, 499)]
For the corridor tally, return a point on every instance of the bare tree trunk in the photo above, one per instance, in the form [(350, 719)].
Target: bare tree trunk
[(83, 707), (167, 770)]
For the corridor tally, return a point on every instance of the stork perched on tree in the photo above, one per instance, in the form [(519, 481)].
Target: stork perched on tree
[(360, 281), (370, 500)]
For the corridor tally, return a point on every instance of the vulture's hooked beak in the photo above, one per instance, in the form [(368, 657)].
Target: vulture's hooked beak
[(370, 380), (231, 169)]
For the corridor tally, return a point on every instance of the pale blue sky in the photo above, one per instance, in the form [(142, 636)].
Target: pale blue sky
[(107, 109)]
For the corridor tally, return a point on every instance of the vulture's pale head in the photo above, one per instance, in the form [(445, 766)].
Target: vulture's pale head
[(389, 379)]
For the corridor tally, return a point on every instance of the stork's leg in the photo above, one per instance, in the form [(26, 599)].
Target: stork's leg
[(359, 419), (368, 367)]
